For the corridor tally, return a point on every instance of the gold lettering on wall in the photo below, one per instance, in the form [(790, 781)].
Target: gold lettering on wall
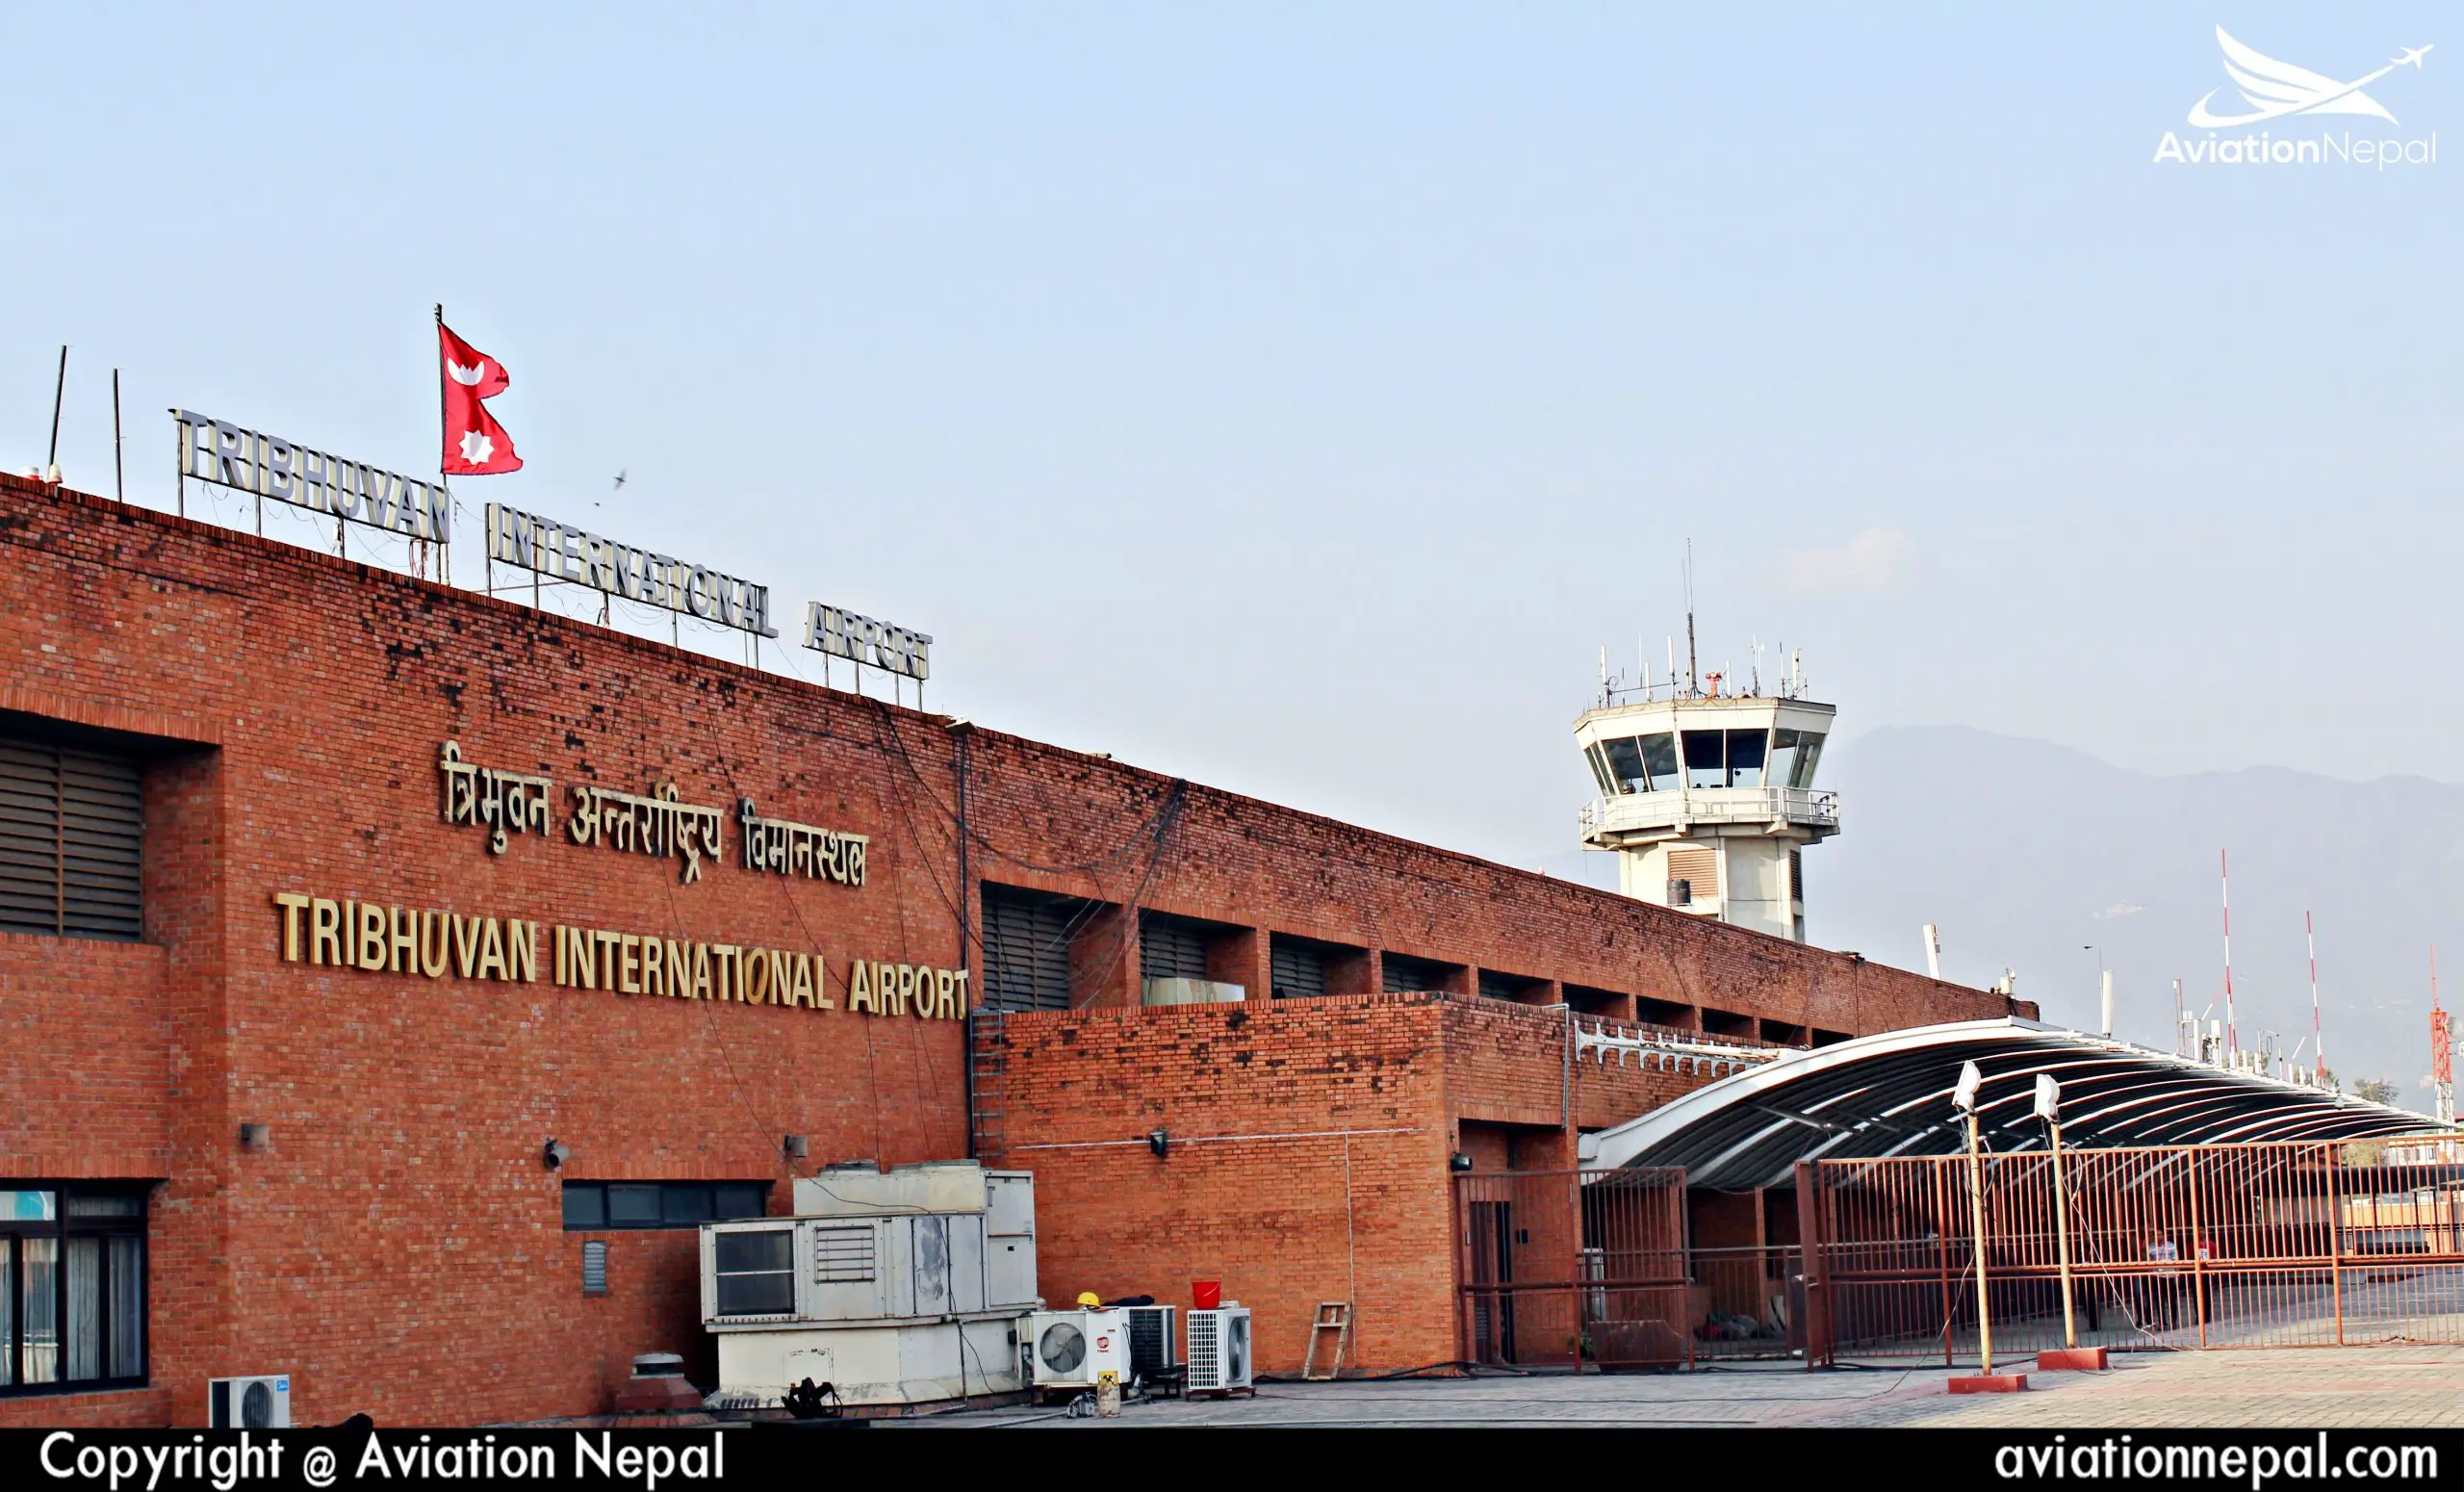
[(423, 942)]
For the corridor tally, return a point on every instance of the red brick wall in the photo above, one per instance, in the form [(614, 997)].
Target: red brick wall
[(398, 1247), (1307, 1163)]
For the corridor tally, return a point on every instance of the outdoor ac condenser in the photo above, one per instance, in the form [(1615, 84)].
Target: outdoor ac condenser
[(1219, 1351)]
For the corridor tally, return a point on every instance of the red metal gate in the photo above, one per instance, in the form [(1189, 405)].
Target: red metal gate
[(1564, 1269), (2278, 1244)]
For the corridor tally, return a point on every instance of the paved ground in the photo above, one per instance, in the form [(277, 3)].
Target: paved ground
[(2396, 1386)]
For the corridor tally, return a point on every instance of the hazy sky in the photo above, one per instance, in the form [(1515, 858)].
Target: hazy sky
[(1295, 398)]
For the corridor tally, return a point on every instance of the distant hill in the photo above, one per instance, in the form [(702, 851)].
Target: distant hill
[(2023, 852)]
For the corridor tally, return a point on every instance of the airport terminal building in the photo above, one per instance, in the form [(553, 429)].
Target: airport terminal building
[(394, 976)]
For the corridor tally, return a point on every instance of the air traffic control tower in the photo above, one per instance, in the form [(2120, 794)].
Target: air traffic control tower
[(1709, 798)]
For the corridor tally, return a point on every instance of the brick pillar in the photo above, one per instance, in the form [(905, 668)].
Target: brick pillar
[(1103, 960), (1242, 958)]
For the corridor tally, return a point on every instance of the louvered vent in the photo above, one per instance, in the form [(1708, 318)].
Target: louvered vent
[(843, 1256), (1700, 871), (1298, 969), (594, 1267), (70, 828), (1026, 950), (1170, 947)]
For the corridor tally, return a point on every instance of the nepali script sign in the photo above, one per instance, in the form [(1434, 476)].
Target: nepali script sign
[(545, 547), (218, 451)]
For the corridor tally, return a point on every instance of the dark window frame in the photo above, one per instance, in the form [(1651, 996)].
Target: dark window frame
[(61, 1227), (672, 1208)]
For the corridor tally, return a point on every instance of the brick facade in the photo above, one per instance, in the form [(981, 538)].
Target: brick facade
[(399, 1247)]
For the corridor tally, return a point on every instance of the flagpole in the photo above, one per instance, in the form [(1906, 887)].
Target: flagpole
[(441, 481)]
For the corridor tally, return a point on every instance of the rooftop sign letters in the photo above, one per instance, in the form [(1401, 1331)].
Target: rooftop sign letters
[(546, 547), (218, 451), (860, 639)]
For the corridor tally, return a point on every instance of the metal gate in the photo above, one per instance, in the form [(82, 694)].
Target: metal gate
[(1565, 1268), (2276, 1244)]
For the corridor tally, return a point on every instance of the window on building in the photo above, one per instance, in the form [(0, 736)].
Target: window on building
[(1170, 947), (1660, 759), (756, 1271), (1746, 751), (1794, 755), (69, 840), (1707, 758), (1624, 765), (1026, 948), (599, 1207), (1600, 769), (72, 1287)]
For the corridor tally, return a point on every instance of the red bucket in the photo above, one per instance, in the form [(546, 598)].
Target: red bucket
[(1209, 1294)]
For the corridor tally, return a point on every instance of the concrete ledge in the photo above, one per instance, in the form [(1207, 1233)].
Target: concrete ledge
[(1991, 1383)]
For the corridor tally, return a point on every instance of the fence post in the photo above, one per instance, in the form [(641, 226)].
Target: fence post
[(2336, 1234), (1813, 1254), (2198, 1265), (1942, 1254)]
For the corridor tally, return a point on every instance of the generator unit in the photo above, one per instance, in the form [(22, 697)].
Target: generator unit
[(907, 1286), (1219, 1351), (1073, 1349)]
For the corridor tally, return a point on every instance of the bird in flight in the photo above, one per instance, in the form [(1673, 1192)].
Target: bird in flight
[(620, 482)]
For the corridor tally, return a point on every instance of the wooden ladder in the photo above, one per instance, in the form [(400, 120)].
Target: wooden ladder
[(1333, 1316)]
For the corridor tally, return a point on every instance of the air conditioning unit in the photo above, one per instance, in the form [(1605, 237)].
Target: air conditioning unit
[(258, 1402), (1154, 1340), (1073, 1349), (1219, 1351)]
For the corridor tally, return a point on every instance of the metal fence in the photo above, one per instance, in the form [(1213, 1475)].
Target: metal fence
[(1567, 1268), (2278, 1244)]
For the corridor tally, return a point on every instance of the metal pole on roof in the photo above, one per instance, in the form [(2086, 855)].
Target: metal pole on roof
[(58, 387)]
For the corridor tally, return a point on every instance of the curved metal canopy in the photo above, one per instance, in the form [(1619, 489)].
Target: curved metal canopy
[(1890, 1095)]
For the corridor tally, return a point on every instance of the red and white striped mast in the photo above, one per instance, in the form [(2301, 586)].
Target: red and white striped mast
[(2225, 879), (2442, 1050), (2318, 1041)]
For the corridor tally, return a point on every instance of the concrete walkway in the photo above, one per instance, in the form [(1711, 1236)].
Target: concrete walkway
[(2375, 1387)]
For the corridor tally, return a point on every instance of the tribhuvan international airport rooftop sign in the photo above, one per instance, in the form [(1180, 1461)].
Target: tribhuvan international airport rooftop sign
[(545, 547), (842, 634), (218, 451)]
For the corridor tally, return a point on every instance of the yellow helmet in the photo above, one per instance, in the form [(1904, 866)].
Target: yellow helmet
[(1090, 1298)]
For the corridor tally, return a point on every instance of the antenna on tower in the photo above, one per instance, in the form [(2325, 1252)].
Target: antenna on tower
[(1693, 668)]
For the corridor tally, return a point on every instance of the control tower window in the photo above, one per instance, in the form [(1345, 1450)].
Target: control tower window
[(1809, 756), (1599, 770), (1624, 765), (1659, 759), (1745, 758), (1793, 755), (1705, 760)]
